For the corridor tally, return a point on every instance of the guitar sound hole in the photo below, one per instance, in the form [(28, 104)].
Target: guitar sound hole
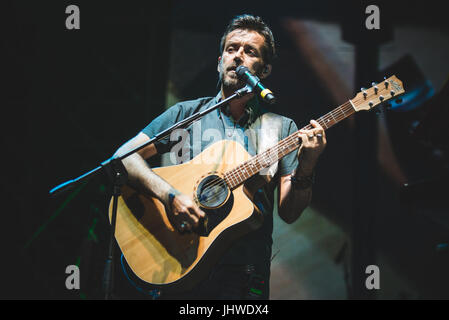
[(212, 191)]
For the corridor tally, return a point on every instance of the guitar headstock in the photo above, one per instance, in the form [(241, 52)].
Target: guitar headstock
[(368, 99)]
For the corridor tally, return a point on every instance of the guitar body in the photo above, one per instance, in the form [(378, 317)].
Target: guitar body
[(155, 251)]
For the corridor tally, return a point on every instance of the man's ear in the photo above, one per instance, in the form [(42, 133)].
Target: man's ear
[(266, 71), (218, 65)]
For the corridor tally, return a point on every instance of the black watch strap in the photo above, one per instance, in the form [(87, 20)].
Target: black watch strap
[(301, 183)]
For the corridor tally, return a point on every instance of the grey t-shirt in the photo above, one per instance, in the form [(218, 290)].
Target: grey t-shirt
[(254, 247)]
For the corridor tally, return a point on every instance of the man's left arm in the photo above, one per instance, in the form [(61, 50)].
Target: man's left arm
[(295, 190)]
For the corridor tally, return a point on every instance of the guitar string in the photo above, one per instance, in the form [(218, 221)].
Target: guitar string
[(281, 145), (234, 174), (334, 114)]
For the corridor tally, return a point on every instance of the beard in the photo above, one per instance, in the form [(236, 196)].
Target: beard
[(229, 79)]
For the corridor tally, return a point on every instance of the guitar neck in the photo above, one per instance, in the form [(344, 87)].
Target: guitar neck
[(249, 168)]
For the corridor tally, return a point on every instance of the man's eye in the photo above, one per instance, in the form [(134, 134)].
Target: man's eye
[(251, 52)]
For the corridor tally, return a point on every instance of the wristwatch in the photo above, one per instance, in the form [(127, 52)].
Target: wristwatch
[(302, 183)]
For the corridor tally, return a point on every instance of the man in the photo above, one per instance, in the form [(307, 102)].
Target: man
[(244, 269)]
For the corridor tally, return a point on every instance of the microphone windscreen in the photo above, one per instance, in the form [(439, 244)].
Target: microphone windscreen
[(240, 71)]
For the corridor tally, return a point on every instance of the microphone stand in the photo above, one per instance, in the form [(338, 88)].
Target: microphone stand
[(118, 176)]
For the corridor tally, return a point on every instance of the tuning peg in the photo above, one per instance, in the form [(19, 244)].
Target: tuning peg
[(392, 93), (364, 92), (381, 98), (374, 85), (370, 104), (386, 83)]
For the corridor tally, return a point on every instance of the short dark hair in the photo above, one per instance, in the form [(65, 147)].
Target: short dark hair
[(250, 22)]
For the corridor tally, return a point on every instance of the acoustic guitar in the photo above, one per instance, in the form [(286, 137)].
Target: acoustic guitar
[(218, 181)]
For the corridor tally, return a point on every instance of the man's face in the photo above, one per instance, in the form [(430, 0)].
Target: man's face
[(242, 47)]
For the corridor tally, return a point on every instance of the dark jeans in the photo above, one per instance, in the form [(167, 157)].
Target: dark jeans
[(230, 282), (224, 282)]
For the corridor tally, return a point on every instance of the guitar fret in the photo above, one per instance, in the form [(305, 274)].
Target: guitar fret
[(333, 116), (245, 172), (342, 114), (336, 116), (228, 179), (234, 177), (253, 166), (239, 179)]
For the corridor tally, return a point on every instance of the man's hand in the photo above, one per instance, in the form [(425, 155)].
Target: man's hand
[(184, 213), (313, 144)]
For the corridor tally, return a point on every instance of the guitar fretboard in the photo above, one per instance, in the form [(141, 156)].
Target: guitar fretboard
[(249, 168)]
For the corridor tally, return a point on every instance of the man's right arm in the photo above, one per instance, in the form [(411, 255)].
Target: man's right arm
[(142, 178), (140, 174)]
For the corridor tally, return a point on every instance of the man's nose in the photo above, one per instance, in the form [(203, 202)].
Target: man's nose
[(239, 55)]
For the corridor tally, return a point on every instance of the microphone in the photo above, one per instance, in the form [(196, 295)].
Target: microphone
[(253, 81)]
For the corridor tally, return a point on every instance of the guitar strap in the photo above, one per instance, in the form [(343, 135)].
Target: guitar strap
[(269, 135)]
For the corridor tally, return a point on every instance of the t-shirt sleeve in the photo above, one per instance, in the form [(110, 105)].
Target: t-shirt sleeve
[(162, 122), (288, 163)]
